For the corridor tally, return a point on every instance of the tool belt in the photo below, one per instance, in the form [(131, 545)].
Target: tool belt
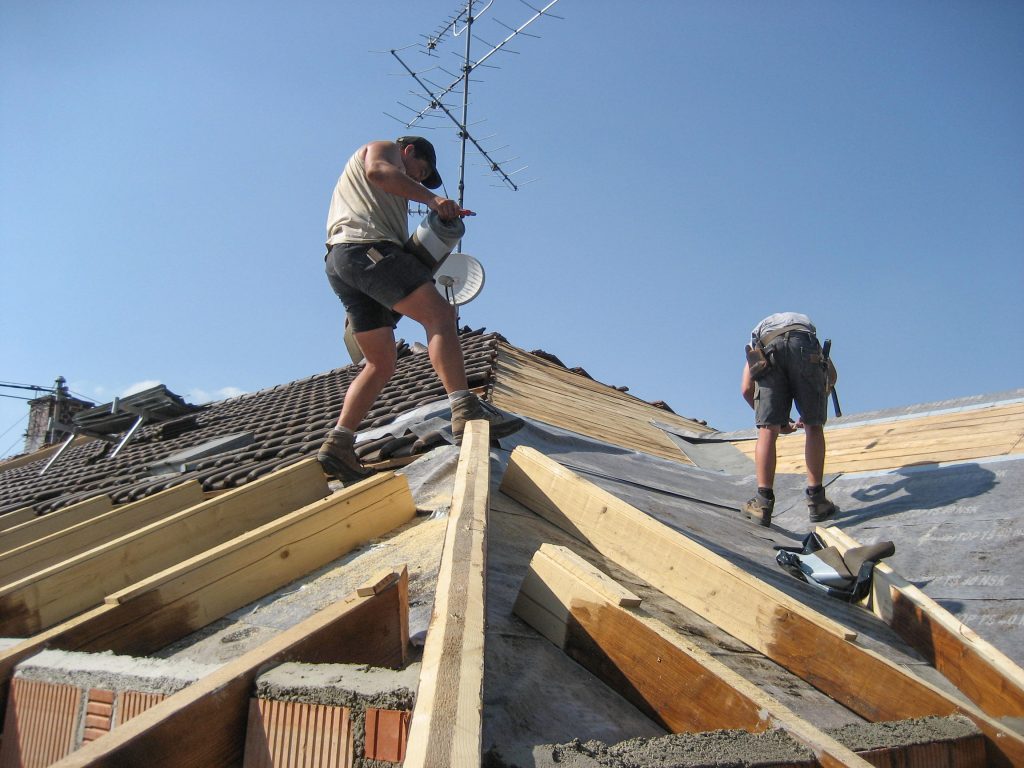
[(768, 338), (759, 356), (757, 361)]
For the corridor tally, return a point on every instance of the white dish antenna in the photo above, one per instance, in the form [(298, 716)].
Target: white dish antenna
[(459, 278)]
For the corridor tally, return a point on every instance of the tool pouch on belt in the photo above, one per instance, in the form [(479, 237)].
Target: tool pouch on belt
[(757, 361)]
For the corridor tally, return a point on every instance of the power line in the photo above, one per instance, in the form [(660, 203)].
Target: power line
[(7, 451)]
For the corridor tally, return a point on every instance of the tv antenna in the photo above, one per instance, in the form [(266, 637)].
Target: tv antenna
[(460, 24)]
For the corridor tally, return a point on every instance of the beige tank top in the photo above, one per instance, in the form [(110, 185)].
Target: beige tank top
[(362, 213)]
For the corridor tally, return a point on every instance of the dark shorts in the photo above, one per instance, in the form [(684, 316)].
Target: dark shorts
[(797, 375), (369, 288)]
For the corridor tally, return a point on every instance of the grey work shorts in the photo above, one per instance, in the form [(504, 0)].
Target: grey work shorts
[(369, 288), (797, 374)]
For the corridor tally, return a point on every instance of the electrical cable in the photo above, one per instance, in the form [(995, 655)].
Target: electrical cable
[(7, 451)]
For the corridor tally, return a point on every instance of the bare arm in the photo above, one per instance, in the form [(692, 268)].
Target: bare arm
[(385, 169), (747, 386)]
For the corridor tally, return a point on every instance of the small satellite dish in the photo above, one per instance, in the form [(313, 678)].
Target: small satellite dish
[(459, 278)]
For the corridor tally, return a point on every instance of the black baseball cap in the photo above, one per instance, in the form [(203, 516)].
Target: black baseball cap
[(424, 150)]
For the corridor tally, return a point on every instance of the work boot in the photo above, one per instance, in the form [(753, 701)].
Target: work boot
[(819, 507), (338, 457), (759, 509), (471, 408)]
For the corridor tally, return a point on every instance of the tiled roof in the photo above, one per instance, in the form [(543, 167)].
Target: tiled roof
[(287, 422)]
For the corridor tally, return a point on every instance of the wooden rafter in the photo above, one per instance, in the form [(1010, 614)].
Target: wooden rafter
[(38, 527), (64, 543), (80, 583), (167, 606), (447, 721), (594, 619), (981, 672), (781, 628), (203, 725)]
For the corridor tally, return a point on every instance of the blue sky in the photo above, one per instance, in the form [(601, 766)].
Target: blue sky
[(693, 166)]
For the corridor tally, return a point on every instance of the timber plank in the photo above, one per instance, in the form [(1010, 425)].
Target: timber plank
[(169, 605), (675, 683), (447, 721), (203, 725), (17, 517), (64, 589), (980, 671), (784, 630), (141, 618), (44, 525), (17, 563)]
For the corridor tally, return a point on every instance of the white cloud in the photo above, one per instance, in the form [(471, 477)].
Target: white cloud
[(200, 396), (196, 395), (139, 387)]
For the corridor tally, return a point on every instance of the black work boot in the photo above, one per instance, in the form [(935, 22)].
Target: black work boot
[(818, 506), (472, 408), (759, 509), (338, 457)]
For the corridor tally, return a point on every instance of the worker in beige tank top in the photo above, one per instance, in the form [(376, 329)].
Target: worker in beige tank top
[(378, 281)]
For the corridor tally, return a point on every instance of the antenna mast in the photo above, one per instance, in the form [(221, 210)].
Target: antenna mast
[(434, 93)]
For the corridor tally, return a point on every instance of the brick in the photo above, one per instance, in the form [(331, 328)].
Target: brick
[(40, 725), (387, 733), (297, 735), (102, 696)]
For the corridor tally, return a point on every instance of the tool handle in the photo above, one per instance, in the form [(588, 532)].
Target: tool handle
[(464, 213), (825, 349), (835, 403)]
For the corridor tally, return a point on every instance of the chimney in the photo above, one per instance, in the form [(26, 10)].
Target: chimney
[(60, 407)]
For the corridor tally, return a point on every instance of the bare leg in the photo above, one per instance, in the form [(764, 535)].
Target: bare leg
[(814, 454), (426, 306), (378, 348), (764, 456)]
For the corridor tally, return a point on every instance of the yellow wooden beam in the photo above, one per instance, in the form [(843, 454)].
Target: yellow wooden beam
[(17, 517), (167, 606), (203, 725), (683, 688), (64, 589), (44, 525), (783, 629), (447, 721), (62, 544), (981, 672)]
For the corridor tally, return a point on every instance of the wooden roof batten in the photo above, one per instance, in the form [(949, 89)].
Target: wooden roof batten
[(981, 431), (536, 388), (784, 630)]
